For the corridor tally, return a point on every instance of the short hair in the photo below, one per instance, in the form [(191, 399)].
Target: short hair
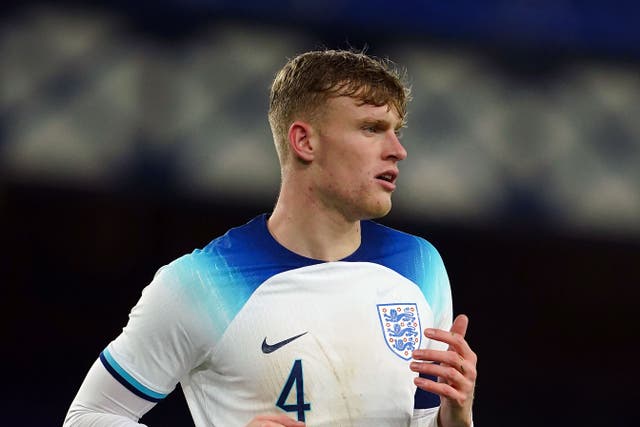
[(302, 87)]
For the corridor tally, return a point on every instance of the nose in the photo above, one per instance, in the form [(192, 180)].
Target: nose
[(395, 149)]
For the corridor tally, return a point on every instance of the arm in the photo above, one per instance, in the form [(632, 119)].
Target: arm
[(104, 402), (456, 372), (161, 341)]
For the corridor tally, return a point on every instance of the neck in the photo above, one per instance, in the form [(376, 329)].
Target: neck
[(304, 226)]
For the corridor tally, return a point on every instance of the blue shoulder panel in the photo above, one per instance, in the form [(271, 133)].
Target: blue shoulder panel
[(408, 255), (223, 275)]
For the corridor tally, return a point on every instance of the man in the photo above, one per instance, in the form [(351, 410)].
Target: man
[(313, 314)]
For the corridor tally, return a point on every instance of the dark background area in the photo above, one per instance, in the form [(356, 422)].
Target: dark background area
[(552, 316), (552, 311)]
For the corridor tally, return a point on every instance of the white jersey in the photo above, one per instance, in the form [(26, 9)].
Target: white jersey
[(249, 327)]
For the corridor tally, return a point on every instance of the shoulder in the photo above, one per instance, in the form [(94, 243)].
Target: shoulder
[(211, 283), (415, 258), (411, 256), (233, 265), (391, 240), (243, 238), (214, 265), (223, 250)]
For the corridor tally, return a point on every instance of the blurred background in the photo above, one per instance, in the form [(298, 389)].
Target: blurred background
[(133, 132)]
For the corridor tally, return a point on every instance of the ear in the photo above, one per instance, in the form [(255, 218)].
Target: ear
[(300, 141)]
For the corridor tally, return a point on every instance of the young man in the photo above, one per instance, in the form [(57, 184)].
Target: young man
[(313, 314)]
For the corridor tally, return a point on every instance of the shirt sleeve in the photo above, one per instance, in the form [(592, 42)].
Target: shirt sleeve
[(434, 283), (102, 401), (166, 336), (437, 290), (425, 417)]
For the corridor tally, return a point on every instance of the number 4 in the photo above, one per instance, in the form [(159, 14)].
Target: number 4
[(294, 377)]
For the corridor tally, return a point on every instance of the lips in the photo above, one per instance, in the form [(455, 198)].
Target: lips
[(388, 176), (387, 179)]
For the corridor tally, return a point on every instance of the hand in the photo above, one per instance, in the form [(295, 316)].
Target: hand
[(456, 372), (281, 420)]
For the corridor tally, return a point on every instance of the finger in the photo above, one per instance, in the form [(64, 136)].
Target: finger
[(455, 340), (268, 423), (450, 358), (275, 420), (276, 424), (459, 372), (459, 325), (441, 389), (449, 374)]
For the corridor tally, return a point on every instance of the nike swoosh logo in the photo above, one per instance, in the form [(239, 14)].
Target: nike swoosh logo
[(270, 348)]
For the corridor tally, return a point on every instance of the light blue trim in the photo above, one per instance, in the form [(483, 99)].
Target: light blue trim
[(125, 375)]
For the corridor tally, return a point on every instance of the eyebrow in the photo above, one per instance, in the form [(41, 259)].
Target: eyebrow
[(381, 123)]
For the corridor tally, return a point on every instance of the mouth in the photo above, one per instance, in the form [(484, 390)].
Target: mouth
[(388, 177)]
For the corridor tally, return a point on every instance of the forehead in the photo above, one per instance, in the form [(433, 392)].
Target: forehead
[(347, 107)]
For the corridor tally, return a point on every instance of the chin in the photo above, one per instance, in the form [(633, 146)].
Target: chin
[(378, 210)]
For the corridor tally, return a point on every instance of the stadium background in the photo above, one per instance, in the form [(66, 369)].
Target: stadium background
[(131, 134)]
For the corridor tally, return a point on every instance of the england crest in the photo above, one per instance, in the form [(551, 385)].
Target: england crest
[(400, 327)]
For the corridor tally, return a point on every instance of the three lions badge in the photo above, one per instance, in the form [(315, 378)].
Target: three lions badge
[(401, 327)]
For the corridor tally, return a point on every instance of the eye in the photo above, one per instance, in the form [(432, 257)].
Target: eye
[(398, 133), (370, 128)]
